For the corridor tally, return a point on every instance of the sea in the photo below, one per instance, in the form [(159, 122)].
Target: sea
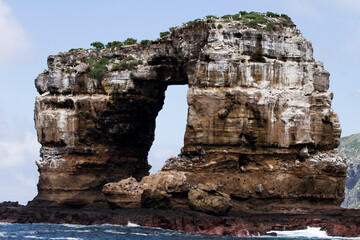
[(131, 231)]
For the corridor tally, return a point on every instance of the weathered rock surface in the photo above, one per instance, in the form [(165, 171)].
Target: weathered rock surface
[(154, 198), (125, 193), (259, 114), (207, 199)]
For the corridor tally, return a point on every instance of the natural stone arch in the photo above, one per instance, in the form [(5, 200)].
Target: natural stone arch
[(259, 113)]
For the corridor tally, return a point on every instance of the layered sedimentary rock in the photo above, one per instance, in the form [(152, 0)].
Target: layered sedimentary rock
[(260, 125)]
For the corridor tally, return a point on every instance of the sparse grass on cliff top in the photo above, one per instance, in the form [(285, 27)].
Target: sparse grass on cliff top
[(268, 21)]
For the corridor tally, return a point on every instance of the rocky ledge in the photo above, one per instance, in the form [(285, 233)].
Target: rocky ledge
[(260, 135), (336, 221)]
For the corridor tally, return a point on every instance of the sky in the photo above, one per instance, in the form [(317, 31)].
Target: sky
[(32, 30)]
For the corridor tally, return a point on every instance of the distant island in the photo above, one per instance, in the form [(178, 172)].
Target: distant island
[(350, 147)]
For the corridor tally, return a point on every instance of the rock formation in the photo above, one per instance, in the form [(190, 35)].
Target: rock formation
[(350, 148), (260, 126)]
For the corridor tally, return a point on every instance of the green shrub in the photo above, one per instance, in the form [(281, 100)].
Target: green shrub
[(191, 22), (130, 41), (256, 17), (129, 58), (75, 49), (286, 17), (243, 12), (252, 24), (271, 14), (228, 16), (253, 19), (270, 26), (211, 16), (99, 69), (91, 60), (219, 26), (286, 20), (144, 43), (236, 17), (232, 17), (163, 34), (97, 45), (127, 63), (171, 29), (58, 65), (104, 61), (114, 44)]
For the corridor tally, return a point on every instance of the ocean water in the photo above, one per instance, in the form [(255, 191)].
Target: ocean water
[(131, 231)]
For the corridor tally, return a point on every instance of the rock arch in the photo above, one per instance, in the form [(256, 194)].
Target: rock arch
[(259, 113)]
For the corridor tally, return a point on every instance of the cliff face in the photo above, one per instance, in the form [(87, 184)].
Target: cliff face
[(350, 148), (260, 125)]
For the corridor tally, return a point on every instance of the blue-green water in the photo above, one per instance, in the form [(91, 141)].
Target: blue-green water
[(104, 232)]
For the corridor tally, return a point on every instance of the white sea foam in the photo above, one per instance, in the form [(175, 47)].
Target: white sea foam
[(114, 232), (34, 237), (78, 231), (2, 234), (140, 234), (109, 225), (130, 224), (74, 225), (4, 223), (66, 238), (310, 232)]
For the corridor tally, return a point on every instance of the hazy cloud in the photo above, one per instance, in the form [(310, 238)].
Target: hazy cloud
[(13, 41), (17, 153)]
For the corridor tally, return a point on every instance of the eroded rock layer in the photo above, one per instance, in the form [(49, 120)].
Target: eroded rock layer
[(260, 124)]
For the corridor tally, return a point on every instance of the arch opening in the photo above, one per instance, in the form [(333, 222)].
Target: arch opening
[(170, 127)]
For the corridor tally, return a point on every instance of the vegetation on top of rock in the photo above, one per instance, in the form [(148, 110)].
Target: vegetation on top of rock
[(75, 49), (144, 43), (114, 44), (97, 45), (268, 21), (163, 34), (190, 22), (130, 41), (171, 29), (271, 14)]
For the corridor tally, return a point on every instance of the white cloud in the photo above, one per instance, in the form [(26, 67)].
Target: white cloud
[(18, 175), (18, 152), (26, 181), (14, 43)]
